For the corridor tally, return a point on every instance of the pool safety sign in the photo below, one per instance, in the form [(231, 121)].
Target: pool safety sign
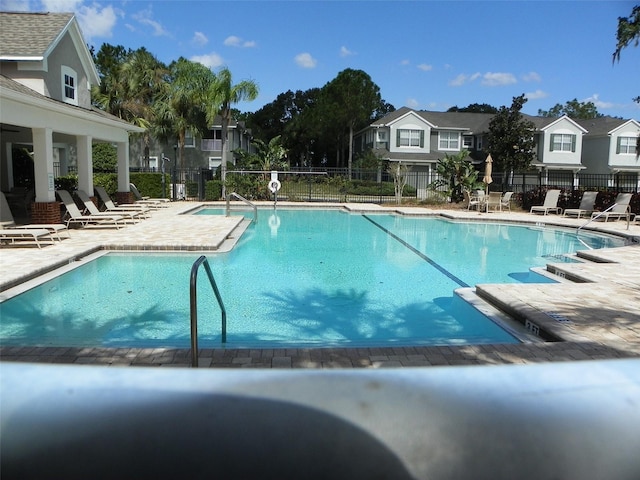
[(274, 183)]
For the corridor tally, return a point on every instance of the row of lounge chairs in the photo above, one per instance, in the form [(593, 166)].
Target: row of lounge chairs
[(44, 234), (619, 210), (36, 234), (497, 201)]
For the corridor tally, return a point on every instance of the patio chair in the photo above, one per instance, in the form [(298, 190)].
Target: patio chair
[(90, 208), (550, 203), (141, 210), (74, 215), (151, 202), (472, 202), (494, 201), (621, 209), (587, 205), (505, 201), (8, 222)]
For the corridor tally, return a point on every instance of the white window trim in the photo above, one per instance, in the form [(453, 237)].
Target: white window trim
[(71, 73), (631, 146), (572, 140), (449, 140)]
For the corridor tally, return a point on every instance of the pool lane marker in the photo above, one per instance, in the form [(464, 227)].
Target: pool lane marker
[(437, 266)]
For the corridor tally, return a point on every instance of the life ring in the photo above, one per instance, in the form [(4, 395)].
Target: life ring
[(274, 186)]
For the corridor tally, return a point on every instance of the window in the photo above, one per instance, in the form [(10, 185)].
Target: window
[(449, 141), (382, 136), (563, 142), (189, 139), (467, 141), (626, 145), (69, 85), (410, 138)]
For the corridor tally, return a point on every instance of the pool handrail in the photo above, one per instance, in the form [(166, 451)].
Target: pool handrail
[(194, 306), (241, 198)]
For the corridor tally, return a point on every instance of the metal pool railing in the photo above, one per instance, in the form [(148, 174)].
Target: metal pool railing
[(194, 306)]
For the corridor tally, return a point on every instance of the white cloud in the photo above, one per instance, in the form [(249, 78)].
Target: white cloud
[(425, 68), (491, 79), (412, 103), (96, 21), (210, 60), (463, 79), (345, 52), (200, 39), (531, 77), (305, 60), (459, 80), (233, 41), (595, 99), (145, 17), (404, 62), (536, 95)]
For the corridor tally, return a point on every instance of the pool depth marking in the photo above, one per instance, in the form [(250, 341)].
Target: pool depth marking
[(438, 267)]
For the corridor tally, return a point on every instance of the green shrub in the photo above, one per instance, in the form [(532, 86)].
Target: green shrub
[(68, 182), (213, 190), (150, 184)]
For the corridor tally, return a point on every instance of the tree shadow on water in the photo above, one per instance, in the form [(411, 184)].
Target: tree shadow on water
[(24, 323)]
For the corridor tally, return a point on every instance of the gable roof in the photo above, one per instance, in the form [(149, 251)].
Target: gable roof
[(31, 37), (602, 125), (28, 36)]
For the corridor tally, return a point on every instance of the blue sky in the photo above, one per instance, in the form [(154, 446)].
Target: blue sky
[(428, 55)]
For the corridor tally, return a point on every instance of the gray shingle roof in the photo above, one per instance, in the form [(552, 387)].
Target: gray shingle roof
[(30, 34), (600, 125)]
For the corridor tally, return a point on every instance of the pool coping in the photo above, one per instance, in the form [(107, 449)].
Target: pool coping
[(574, 345)]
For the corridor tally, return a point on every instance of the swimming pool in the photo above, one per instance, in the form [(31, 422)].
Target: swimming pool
[(296, 278)]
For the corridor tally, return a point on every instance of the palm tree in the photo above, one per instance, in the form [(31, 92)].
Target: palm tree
[(222, 95), (184, 103), (145, 80)]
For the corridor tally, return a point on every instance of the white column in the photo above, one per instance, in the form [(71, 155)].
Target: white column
[(85, 164), (43, 164), (123, 166)]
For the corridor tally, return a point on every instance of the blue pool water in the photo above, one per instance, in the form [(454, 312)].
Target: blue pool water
[(296, 278)]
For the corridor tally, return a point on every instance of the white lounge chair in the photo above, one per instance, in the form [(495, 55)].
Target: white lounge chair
[(621, 209), (151, 202), (13, 236), (8, 222), (587, 205), (74, 215), (550, 203), (111, 207), (90, 208)]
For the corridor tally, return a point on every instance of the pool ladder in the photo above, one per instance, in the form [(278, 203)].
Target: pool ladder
[(242, 199), (194, 306)]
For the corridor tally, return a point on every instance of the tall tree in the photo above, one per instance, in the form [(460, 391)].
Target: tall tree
[(130, 82), (222, 95), (353, 98), (184, 104), (475, 108), (511, 137), (573, 109), (146, 80), (628, 32)]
